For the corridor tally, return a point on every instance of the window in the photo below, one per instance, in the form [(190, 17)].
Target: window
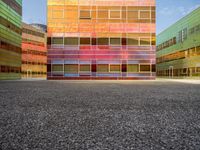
[(102, 14), (102, 68), (198, 50), (132, 14), (115, 68), (85, 14), (115, 14), (94, 41), (71, 41), (85, 68), (57, 40), (115, 41), (132, 41), (182, 35), (197, 28), (103, 41), (185, 34), (198, 70), (153, 14), (144, 15), (145, 68), (144, 41), (57, 67), (153, 68), (132, 68), (84, 41), (71, 68)]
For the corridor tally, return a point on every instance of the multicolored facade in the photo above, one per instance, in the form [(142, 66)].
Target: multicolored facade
[(101, 39), (34, 52), (178, 48), (10, 39)]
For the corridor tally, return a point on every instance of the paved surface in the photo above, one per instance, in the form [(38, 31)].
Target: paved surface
[(99, 115)]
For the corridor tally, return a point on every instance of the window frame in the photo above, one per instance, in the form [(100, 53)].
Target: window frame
[(90, 12), (139, 14), (120, 11)]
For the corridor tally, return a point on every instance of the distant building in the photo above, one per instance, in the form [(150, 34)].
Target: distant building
[(107, 39), (34, 52), (178, 48), (40, 26), (10, 39)]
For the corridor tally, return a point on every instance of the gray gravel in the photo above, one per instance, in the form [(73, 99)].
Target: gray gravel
[(99, 115)]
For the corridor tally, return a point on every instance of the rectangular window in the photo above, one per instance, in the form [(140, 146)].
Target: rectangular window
[(71, 68), (153, 68), (57, 67), (103, 41), (57, 40), (71, 41), (132, 68), (85, 41), (85, 14), (115, 41), (115, 68), (102, 14), (132, 41), (145, 41), (145, 68), (185, 34), (115, 14), (144, 15), (102, 68), (85, 68), (198, 70), (132, 14)]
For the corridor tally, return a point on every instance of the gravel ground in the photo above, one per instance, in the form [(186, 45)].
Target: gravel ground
[(99, 115)]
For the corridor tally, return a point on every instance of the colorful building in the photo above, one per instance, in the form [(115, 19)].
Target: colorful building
[(98, 39), (34, 52), (10, 39), (178, 48)]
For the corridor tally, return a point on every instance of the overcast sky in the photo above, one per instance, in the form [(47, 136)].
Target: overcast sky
[(168, 11)]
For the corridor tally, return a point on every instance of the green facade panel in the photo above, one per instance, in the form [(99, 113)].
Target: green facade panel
[(178, 48), (10, 39)]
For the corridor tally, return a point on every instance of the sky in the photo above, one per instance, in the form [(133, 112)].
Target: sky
[(168, 11)]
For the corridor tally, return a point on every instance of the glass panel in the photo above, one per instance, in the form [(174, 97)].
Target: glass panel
[(103, 41), (132, 41), (115, 41), (144, 41), (57, 40), (133, 68), (102, 68), (85, 68), (115, 14), (71, 68), (84, 41), (71, 41), (103, 14), (85, 14), (145, 68), (144, 14), (115, 68), (57, 67), (132, 14)]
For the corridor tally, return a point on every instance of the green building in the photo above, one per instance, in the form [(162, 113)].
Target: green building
[(10, 39), (178, 48)]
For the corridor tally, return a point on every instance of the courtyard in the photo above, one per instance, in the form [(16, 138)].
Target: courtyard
[(57, 115)]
